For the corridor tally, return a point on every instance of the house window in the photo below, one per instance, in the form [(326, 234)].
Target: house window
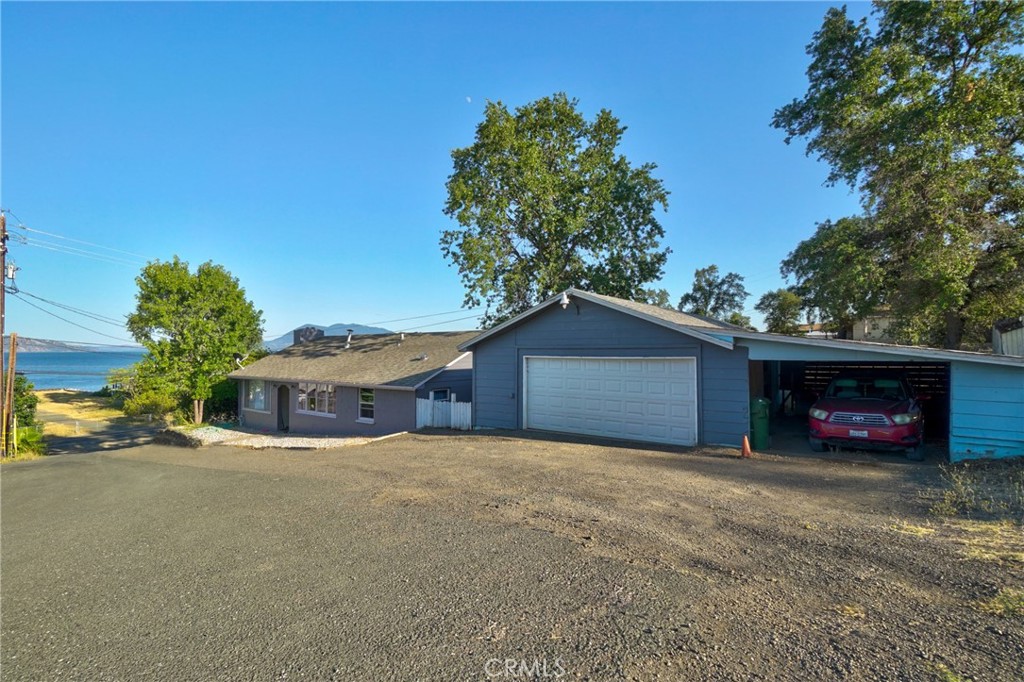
[(255, 396), (440, 394), (366, 405), (316, 399)]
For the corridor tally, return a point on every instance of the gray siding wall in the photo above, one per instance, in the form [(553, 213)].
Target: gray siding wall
[(591, 331), (394, 411), (457, 377)]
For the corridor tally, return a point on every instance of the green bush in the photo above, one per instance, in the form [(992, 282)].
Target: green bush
[(25, 401), (150, 401), (30, 440)]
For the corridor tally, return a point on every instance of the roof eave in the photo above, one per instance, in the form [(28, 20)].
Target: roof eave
[(886, 348)]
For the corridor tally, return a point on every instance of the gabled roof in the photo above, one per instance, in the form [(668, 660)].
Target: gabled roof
[(372, 360), (697, 326)]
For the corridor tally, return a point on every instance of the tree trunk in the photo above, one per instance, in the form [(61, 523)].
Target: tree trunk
[(197, 411), (954, 330)]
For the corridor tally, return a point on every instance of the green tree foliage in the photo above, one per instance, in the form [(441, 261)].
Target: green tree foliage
[(839, 272), (781, 309), (740, 320), (192, 325), (25, 401), (658, 297), (925, 117), (713, 295), (544, 202)]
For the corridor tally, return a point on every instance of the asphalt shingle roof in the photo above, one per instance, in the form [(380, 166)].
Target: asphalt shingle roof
[(666, 314), (372, 359)]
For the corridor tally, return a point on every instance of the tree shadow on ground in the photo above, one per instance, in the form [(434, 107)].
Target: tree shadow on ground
[(103, 439)]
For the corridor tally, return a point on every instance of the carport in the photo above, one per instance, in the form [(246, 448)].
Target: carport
[(974, 402)]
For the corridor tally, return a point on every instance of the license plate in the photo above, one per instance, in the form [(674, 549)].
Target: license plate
[(858, 434)]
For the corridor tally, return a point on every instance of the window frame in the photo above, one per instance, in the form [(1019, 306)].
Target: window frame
[(330, 393), (362, 406), (247, 396), (447, 394)]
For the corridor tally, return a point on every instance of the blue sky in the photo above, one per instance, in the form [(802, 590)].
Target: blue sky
[(305, 147)]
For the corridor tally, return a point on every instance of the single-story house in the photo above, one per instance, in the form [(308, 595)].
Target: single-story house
[(597, 365), (365, 385)]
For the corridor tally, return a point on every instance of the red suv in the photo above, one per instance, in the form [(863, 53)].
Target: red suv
[(868, 411)]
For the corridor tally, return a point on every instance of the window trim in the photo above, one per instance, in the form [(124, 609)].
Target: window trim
[(299, 391), (245, 397), (448, 396), (360, 404)]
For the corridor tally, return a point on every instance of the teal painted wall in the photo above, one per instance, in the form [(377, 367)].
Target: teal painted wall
[(986, 411)]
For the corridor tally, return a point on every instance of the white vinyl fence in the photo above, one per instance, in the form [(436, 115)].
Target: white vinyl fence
[(444, 414)]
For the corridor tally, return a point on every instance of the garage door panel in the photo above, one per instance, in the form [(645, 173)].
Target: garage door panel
[(639, 399)]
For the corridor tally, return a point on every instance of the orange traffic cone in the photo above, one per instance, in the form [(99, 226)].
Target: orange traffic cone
[(746, 446)]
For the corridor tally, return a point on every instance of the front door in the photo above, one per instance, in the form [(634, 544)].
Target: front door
[(283, 403)]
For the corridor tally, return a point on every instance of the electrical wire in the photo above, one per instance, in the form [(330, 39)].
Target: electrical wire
[(64, 319), (60, 248), (420, 317), (85, 313), (26, 228), (437, 324)]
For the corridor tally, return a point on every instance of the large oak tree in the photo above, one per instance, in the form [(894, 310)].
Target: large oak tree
[(543, 201), (924, 115)]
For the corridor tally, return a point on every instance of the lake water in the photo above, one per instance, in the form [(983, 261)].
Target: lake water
[(77, 371)]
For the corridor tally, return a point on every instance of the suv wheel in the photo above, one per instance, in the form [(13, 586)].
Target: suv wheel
[(916, 454), (817, 445)]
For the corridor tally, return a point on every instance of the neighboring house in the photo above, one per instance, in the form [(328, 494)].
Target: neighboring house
[(603, 366), (366, 385), (1008, 336), (873, 328), (817, 330)]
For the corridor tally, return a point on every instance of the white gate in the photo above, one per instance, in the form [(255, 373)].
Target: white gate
[(444, 414)]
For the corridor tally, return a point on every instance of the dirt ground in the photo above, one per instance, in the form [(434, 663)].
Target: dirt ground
[(432, 556)]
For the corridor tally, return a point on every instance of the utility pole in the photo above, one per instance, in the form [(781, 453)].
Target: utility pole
[(3, 312)]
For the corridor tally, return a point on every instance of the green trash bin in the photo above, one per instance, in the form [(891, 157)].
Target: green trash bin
[(760, 409)]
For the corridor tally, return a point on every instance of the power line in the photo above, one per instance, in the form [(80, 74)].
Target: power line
[(85, 313), (437, 324), (78, 241), (60, 248), (64, 319), (420, 317), (400, 319)]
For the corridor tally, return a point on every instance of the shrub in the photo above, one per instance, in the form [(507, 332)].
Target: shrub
[(150, 401)]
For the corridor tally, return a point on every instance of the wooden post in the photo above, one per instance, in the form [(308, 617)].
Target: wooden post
[(3, 296), (8, 390)]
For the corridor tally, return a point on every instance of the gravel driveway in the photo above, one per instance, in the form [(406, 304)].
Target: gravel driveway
[(482, 557)]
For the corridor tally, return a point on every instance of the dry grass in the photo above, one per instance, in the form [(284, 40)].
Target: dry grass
[(911, 529), (942, 673), (79, 405), (852, 610), (1001, 541), (984, 489), (1009, 603)]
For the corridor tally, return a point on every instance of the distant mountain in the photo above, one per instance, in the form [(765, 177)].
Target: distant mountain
[(339, 329), (29, 345)]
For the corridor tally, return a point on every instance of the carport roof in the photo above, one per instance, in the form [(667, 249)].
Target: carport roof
[(760, 343), (371, 360)]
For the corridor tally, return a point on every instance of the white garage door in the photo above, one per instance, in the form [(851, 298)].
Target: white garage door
[(650, 399)]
